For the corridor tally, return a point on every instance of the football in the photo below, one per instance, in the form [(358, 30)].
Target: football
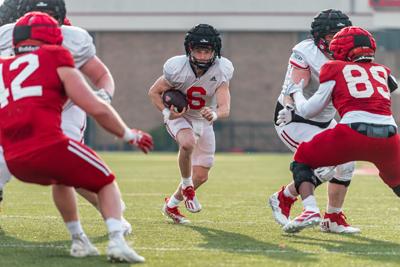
[(175, 98)]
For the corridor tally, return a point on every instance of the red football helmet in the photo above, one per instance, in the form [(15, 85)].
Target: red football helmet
[(353, 44), (37, 26)]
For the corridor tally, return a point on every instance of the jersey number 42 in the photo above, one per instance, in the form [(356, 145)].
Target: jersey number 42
[(17, 91)]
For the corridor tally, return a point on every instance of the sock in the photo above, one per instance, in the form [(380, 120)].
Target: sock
[(173, 202), (187, 182), (287, 193), (74, 228), (331, 209), (310, 203), (114, 225)]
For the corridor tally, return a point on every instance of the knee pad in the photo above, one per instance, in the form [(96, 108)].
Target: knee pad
[(396, 190), (336, 181), (302, 173)]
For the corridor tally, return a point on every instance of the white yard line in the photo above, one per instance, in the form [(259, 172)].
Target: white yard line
[(260, 251)]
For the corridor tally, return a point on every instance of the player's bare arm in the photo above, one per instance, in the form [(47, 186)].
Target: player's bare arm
[(155, 93), (80, 93), (99, 75), (223, 104), (298, 74)]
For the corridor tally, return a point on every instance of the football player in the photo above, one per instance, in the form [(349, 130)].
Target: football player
[(360, 91), (80, 44), (35, 84), (304, 64), (203, 76)]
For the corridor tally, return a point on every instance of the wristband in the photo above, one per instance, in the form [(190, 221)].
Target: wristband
[(166, 113)]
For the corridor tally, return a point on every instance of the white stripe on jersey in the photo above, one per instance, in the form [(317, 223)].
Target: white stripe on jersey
[(88, 157)]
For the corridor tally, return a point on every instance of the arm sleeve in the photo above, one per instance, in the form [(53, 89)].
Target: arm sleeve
[(315, 104)]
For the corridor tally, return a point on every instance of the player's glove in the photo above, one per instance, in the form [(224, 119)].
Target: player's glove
[(103, 94), (294, 88), (285, 115), (138, 138)]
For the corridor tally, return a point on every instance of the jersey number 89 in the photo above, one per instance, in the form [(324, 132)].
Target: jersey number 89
[(363, 79)]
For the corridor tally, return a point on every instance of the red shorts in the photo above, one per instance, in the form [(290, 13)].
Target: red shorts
[(66, 162), (343, 144)]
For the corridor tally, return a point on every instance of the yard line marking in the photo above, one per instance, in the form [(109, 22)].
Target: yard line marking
[(265, 251)]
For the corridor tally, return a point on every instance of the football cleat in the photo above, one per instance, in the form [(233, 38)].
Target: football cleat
[(174, 214), (192, 204), (82, 247), (281, 205), (336, 223), (126, 227), (119, 251), (307, 218)]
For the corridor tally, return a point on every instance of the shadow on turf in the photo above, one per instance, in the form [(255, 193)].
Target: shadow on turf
[(354, 246), (242, 244), (17, 252)]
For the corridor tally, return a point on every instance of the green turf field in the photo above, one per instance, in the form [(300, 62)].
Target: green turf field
[(235, 227)]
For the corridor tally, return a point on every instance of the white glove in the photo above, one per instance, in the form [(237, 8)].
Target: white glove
[(103, 94), (285, 115), (294, 87)]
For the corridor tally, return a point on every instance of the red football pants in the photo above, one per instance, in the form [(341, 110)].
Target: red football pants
[(343, 144), (66, 162)]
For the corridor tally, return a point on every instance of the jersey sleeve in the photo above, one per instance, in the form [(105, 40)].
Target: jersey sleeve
[(171, 72), (227, 70), (79, 42), (328, 72), (297, 60), (60, 56)]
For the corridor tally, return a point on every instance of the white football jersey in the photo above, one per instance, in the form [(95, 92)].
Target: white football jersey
[(200, 91), (306, 55), (76, 40)]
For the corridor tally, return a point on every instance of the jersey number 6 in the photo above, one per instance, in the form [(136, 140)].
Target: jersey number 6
[(194, 95)]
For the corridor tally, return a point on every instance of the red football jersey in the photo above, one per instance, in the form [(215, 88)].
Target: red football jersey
[(359, 86), (31, 99)]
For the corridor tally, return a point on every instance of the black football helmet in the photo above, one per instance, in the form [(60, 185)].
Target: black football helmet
[(328, 21), (203, 35), (8, 11), (55, 8)]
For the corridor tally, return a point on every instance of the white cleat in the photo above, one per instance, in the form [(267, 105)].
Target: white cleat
[(192, 204), (281, 206), (336, 223), (174, 214), (306, 219), (119, 251), (82, 247), (126, 227)]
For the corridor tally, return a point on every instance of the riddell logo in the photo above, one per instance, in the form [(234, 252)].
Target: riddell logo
[(41, 4), (203, 41), (340, 24)]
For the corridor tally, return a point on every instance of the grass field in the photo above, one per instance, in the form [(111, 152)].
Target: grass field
[(235, 227)]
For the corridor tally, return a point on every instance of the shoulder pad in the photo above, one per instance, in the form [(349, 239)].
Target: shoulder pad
[(173, 68), (227, 68)]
